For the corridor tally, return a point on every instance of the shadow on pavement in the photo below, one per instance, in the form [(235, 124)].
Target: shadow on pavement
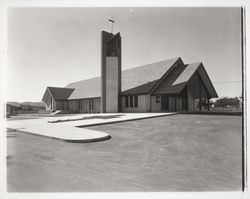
[(214, 113)]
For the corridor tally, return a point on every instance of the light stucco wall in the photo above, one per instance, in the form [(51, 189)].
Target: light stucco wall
[(155, 107), (143, 105), (53, 105), (74, 105), (59, 105), (86, 105), (97, 105), (112, 93), (48, 103)]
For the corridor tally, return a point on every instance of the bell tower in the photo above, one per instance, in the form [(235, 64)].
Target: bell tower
[(110, 72)]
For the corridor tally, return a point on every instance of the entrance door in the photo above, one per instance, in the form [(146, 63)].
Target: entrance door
[(184, 97), (164, 102)]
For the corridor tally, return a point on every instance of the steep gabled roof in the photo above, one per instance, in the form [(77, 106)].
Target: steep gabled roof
[(187, 73), (142, 89), (190, 71), (89, 88), (131, 78), (166, 86), (58, 93), (165, 77), (141, 75), (162, 85), (174, 81)]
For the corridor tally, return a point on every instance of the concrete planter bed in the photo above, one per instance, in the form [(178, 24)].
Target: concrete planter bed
[(87, 118)]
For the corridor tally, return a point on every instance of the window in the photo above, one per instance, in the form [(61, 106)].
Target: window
[(136, 100), (80, 104), (91, 104), (126, 101), (131, 101), (51, 103), (157, 99)]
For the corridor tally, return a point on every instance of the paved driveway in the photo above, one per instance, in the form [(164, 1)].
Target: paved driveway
[(173, 153)]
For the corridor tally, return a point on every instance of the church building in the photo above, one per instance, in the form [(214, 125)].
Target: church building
[(165, 86)]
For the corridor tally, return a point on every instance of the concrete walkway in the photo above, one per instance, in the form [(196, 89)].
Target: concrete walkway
[(68, 131)]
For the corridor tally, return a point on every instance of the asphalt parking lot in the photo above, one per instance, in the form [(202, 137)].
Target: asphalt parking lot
[(172, 153)]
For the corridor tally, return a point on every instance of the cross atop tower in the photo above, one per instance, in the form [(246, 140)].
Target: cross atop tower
[(111, 24)]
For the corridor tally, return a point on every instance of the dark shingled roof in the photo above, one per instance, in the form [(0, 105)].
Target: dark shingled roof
[(142, 89), (174, 81), (131, 78), (60, 93), (166, 86), (165, 77), (89, 88), (187, 73), (163, 86)]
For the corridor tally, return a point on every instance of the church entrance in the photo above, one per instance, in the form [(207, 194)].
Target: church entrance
[(170, 102), (165, 103), (184, 97)]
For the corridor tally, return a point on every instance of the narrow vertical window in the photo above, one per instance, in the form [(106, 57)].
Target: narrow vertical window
[(131, 101), (126, 101), (136, 100), (92, 105), (89, 104)]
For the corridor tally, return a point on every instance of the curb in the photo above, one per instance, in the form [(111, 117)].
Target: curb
[(128, 120), (107, 137), (214, 113)]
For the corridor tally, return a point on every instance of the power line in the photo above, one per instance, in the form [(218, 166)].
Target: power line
[(229, 82)]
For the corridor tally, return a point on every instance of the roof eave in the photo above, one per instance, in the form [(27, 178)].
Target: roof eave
[(216, 94), (139, 93), (47, 89)]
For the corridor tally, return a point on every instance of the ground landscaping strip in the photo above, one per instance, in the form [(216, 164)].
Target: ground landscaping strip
[(87, 118)]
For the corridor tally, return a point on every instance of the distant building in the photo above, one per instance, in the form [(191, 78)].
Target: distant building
[(12, 108), (169, 85)]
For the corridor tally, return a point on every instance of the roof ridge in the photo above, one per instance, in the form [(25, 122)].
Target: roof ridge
[(59, 87), (175, 58), (194, 63), (83, 80)]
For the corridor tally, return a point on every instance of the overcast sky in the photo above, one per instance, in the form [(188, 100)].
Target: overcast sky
[(56, 46)]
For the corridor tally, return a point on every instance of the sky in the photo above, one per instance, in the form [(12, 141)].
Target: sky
[(57, 46)]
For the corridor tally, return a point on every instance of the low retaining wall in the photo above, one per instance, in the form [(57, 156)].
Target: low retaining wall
[(27, 111), (45, 111)]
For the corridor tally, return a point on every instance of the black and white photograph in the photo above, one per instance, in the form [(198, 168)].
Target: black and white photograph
[(124, 99)]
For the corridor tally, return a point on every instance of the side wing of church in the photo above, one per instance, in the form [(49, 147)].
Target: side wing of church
[(166, 86)]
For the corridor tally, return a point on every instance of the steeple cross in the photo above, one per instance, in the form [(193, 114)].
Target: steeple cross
[(111, 24)]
